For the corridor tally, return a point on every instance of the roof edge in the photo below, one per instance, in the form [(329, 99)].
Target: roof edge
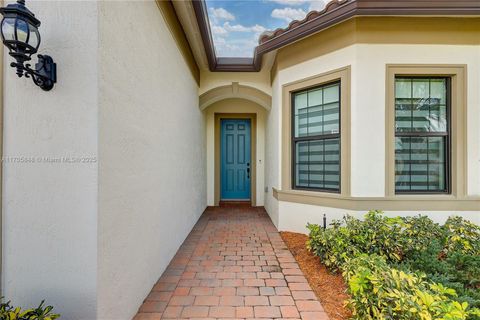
[(335, 12)]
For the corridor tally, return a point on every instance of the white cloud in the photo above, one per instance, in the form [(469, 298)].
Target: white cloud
[(235, 28), (235, 47), (222, 14), (317, 5), (240, 28), (218, 30), (235, 40), (288, 14), (258, 28)]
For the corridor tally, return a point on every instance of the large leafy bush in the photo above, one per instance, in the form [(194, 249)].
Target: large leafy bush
[(379, 291), (458, 271), (391, 238), (404, 268)]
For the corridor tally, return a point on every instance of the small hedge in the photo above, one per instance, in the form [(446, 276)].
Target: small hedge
[(9, 312), (404, 267)]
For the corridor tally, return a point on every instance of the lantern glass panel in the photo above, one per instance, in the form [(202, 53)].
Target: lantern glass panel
[(34, 39), (8, 29), (22, 31)]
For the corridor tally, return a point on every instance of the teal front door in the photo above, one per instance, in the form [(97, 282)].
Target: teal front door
[(235, 159)]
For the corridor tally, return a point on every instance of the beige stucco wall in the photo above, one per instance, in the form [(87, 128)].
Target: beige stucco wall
[(151, 151), (49, 227), (294, 216), (235, 106), (368, 68), (259, 80), (273, 152)]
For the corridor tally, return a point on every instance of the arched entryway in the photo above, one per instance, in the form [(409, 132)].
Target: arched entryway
[(237, 105)]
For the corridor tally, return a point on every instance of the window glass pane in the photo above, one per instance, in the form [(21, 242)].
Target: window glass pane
[(420, 88), (315, 120), (402, 163), (301, 103), (420, 164), (436, 154), (302, 163), (420, 115), (403, 114), (317, 111), (421, 105), (315, 97), (301, 125), (438, 91), (331, 94), (438, 105), (332, 164), (403, 88), (301, 116), (318, 164), (331, 120)]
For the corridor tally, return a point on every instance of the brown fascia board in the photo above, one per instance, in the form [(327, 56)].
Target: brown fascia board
[(335, 12)]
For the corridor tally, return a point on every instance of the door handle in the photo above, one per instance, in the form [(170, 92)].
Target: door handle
[(248, 170)]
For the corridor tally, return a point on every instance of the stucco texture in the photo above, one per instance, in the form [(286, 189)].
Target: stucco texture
[(49, 233), (151, 150)]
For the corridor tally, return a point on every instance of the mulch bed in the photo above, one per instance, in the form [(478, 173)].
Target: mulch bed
[(329, 288)]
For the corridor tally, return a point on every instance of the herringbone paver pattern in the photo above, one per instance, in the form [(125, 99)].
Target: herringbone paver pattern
[(233, 265)]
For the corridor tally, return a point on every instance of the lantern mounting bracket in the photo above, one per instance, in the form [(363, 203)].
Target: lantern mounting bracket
[(44, 75)]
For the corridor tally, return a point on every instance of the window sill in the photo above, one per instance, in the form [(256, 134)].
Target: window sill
[(391, 203)]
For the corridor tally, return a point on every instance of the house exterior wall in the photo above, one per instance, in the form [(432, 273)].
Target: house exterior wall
[(49, 227), (368, 83), (259, 80), (273, 148), (151, 151), (236, 106), (99, 185)]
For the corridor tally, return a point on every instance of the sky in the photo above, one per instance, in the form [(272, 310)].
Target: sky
[(236, 25)]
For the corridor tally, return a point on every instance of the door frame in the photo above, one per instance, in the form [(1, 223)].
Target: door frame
[(253, 152)]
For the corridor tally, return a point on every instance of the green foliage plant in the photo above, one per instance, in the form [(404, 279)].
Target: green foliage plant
[(404, 267), (9, 312)]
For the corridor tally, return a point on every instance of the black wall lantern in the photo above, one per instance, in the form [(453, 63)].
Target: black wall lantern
[(20, 35)]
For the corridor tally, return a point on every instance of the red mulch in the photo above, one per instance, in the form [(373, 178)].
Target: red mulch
[(329, 288)]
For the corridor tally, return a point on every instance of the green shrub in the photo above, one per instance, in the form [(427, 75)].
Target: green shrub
[(462, 235), (8, 312), (404, 268), (391, 238), (418, 232), (379, 291), (333, 246), (458, 271), (351, 237)]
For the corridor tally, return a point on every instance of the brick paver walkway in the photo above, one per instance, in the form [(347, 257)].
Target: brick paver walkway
[(233, 265)]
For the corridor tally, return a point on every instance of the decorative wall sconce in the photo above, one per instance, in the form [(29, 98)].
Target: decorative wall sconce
[(19, 30)]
